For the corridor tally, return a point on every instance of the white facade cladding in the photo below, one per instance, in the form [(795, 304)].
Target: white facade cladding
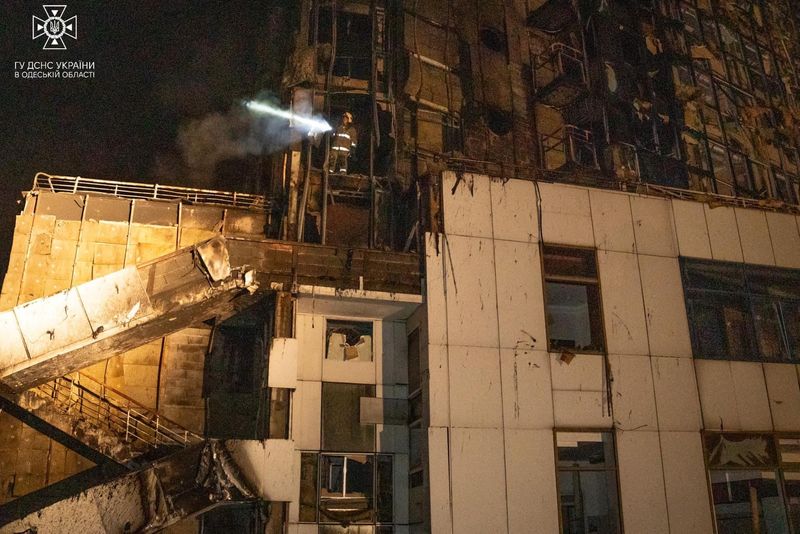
[(493, 396), (348, 411)]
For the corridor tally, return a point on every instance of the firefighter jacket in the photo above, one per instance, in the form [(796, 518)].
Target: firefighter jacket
[(344, 138)]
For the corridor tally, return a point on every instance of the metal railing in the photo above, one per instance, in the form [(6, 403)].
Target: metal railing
[(107, 408), (568, 145), (133, 190), (560, 60)]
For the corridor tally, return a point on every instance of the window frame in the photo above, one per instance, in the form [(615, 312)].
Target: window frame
[(343, 319), (779, 468), (614, 468), (747, 276), (374, 458), (575, 280)]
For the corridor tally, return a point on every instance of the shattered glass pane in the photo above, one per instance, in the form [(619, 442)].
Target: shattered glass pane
[(349, 340), (742, 450)]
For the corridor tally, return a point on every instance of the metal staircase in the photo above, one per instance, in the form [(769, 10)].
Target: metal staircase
[(94, 408)]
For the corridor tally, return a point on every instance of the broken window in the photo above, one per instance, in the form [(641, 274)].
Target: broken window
[(348, 340), (353, 58), (341, 418), (754, 481), (742, 312), (587, 483), (783, 186), (345, 489), (572, 295)]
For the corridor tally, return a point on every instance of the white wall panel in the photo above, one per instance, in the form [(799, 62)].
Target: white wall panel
[(306, 415), (785, 239), (717, 395), (520, 300), (530, 474), (754, 236), (514, 210), (400, 486), (751, 396), (467, 207), (527, 392), (641, 482), (611, 215), (632, 391), (676, 394), (479, 484), (439, 479), (475, 390), (623, 310), (585, 372), (723, 233), (566, 215), (437, 392), (686, 483), (471, 292), (581, 409), (435, 296), (310, 333), (355, 372), (665, 308), (653, 226), (690, 226), (784, 395)]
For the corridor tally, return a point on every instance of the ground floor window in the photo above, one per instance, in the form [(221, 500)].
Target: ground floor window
[(587, 483), (755, 482)]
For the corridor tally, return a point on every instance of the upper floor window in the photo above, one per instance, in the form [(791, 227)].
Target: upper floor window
[(572, 297), (348, 340), (742, 312)]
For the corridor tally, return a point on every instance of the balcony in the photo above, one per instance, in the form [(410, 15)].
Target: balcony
[(552, 16), (559, 76)]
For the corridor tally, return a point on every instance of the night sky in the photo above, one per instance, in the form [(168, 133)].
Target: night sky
[(159, 65)]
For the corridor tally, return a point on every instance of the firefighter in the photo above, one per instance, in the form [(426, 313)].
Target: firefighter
[(343, 141)]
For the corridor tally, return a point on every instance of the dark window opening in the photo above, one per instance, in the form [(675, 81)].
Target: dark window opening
[(572, 296), (341, 418), (587, 483), (742, 312), (499, 122), (493, 39), (353, 43), (348, 340)]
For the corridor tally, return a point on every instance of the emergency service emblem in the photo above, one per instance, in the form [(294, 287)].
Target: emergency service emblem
[(53, 28)]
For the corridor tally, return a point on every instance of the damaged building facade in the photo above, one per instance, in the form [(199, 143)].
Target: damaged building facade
[(556, 289)]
